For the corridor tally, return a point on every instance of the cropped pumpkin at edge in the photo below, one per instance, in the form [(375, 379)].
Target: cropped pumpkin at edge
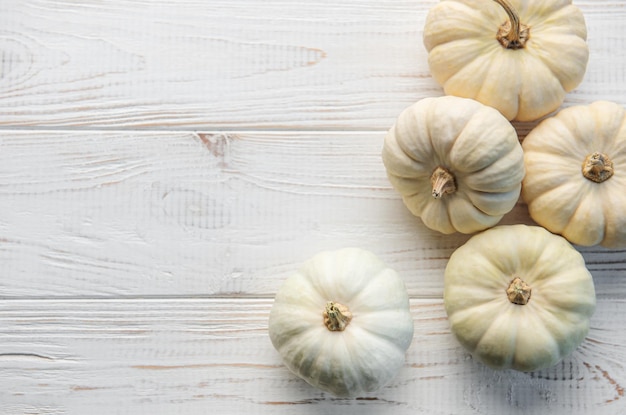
[(457, 163), (524, 69), (576, 174), (342, 322), (518, 297)]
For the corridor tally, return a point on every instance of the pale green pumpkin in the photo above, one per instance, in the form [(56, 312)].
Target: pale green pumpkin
[(518, 297)]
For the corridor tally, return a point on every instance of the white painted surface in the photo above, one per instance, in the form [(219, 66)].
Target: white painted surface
[(165, 165)]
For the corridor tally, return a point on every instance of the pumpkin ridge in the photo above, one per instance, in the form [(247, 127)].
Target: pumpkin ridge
[(506, 203), (462, 13), (538, 60), (356, 303), (392, 342), (409, 134), (417, 187), (366, 381), (439, 57), (567, 76), (432, 219), (300, 278), (467, 218), (537, 324), (533, 107), (314, 361), (552, 324), (495, 327), (444, 105), (555, 292), (468, 69), (304, 344), (478, 302), (556, 19), (618, 144), (403, 147), (284, 338), (469, 142), (411, 155), (536, 182), (349, 372), (502, 158), (605, 133), (574, 223)]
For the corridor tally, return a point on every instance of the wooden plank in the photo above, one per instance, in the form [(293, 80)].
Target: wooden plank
[(181, 214), (158, 356), (238, 64)]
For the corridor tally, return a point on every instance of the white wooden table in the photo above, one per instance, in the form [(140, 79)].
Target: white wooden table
[(164, 165)]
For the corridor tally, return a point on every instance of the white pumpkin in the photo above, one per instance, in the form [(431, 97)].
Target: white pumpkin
[(518, 297), (576, 174), (520, 57), (342, 323), (457, 163)]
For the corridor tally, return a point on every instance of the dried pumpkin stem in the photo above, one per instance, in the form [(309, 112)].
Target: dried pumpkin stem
[(512, 34), (518, 291), (597, 167), (443, 182), (336, 316)]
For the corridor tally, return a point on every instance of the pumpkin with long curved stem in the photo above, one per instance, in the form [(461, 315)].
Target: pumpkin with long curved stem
[(519, 56)]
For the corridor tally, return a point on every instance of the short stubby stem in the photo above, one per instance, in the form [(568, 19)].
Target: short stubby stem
[(518, 291), (336, 316), (443, 182), (597, 167), (512, 34)]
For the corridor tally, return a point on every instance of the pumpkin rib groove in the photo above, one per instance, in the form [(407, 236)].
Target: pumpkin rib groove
[(461, 76), (304, 344), (389, 341), (486, 342), (490, 170), (567, 80), (477, 303), (546, 336), (311, 290), (575, 221), (446, 49), (537, 206), (362, 368), (508, 202)]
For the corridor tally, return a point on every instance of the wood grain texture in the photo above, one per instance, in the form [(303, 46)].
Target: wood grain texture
[(193, 64), (171, 356), (184, 214), (164, 166)]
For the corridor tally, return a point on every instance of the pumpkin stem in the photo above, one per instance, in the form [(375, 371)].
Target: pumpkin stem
[(336, 316), (442, 181), (512, 34), (597, 167), (518, 291)]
